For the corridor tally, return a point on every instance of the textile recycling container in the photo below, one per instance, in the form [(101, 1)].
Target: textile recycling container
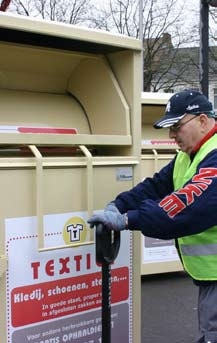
[(69, 142), (157, 255)]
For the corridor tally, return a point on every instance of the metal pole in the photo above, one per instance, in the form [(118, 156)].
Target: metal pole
[(107, 248), (141, 38), (106, 302), (204, 47)]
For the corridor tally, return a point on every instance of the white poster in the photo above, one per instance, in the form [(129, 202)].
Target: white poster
[(158, 250), (55, 296)]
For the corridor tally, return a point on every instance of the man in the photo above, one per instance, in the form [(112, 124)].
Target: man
[(180, 202)]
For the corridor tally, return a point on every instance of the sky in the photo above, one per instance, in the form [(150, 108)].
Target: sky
[(192, 12)]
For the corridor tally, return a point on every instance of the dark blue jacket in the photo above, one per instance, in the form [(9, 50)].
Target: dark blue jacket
[(142, 204), (144, 213)]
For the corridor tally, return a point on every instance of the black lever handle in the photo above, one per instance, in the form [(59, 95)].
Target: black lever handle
[(107, 248), (107, 244)]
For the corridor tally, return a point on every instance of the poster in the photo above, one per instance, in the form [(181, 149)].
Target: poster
[(158, 250), (55, 295)]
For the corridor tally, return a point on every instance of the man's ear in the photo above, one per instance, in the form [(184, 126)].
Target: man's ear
[(204, 120)]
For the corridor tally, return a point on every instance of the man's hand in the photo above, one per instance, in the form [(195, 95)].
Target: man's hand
[(112, 207), (111, 220)]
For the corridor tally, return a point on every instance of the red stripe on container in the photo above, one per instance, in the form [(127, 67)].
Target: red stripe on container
[(47, 130)]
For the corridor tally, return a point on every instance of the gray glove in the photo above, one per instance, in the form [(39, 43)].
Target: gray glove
[(111, 220), (111, 207)]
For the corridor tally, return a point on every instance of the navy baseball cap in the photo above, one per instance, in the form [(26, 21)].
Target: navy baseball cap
[(186, 102)]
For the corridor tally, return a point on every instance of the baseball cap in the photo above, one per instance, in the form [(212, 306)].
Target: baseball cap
[(185, 102)]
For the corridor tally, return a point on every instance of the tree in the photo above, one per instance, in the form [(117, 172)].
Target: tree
[(163, 34), (68, 11), (120, 16), (213, 40), (213, 24)]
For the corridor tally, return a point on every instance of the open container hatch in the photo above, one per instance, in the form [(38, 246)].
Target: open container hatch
[(69, 142)]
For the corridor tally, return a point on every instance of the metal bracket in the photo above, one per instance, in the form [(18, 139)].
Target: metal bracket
[(39, 198)]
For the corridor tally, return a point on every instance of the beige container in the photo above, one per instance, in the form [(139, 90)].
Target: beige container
[(69, 142), (157, 256)]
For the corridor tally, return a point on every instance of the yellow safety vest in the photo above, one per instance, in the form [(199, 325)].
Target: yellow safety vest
[(199, 251)]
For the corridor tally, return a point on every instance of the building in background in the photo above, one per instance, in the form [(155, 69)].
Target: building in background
[(174, 69)]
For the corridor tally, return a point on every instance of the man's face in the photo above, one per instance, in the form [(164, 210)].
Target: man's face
[(187, 132)]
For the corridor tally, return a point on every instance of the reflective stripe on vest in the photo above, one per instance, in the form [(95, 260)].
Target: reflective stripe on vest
[(198, 250), (199, 260)]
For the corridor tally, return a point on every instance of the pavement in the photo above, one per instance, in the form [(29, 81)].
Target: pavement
[(169, 308)]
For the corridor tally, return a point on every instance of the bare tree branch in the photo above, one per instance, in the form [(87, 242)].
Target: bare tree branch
[(68, 11)]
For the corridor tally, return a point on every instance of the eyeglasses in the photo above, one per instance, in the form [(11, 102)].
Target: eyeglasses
[(176, 127)]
